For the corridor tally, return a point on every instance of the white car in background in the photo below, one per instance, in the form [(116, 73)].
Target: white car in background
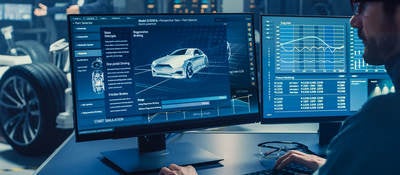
[(180, 64)]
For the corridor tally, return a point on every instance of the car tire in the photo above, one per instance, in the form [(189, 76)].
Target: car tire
[(31, 97), (34, 49), (206, 63), (189, 70)]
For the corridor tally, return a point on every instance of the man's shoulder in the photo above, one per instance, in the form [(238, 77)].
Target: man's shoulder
[(381, 109), (383, 101)]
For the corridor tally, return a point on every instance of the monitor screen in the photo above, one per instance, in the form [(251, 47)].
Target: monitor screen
[(134, 75), (60, 16), (313, 70), (17, 12)]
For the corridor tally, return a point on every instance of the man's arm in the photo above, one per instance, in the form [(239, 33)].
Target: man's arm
[(368, 141), (44, 10), (344, 145)]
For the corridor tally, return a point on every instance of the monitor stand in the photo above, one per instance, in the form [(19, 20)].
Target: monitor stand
[(153, 153)]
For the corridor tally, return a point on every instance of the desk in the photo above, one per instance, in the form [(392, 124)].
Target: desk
[(237, 149)]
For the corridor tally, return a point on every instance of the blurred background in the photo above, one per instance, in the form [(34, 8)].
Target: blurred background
[(49, 28)]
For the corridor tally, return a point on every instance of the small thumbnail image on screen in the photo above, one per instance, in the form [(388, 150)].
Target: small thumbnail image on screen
[(378, 87)]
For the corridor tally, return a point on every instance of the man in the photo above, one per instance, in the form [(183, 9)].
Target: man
[(368, 142), (76, 7)]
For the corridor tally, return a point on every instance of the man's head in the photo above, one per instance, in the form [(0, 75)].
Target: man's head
[(378, 23)]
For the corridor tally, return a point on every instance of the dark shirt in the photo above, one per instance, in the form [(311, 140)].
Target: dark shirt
[(393, 69), (368, 142)]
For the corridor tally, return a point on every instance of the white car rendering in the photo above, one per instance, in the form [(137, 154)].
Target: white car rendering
[(180, 64)]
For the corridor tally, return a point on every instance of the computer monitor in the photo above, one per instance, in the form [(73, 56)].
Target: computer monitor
[(146, 75), (313, 70), (16, 12)]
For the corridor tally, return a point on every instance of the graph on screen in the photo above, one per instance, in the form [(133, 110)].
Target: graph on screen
[(310, 48), (357, 63)]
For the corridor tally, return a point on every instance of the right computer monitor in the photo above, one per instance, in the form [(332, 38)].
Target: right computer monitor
[(313, 70)]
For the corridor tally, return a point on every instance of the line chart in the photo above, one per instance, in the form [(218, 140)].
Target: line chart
[(310, 48), (324, 48)]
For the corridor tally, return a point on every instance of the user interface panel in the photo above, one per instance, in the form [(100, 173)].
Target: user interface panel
[(136, 70), (313, 67)]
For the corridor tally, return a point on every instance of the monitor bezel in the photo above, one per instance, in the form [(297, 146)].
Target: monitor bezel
[(162, 128), (287, 120)]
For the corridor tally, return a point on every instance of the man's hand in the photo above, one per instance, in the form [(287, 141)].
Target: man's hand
[(41, 11), (73, 9), (174, 169), (308, 160)]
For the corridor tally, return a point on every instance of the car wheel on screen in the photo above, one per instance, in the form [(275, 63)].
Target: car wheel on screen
[(31, 96), (189, 70), (34, 49), (206, 63)]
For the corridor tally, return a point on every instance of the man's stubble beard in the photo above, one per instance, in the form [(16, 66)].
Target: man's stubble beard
[(376, 51)]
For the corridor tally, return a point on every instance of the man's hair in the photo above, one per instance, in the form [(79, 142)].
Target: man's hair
[(389, 6)]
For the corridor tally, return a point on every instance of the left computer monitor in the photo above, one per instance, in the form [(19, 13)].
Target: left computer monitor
[(142, 75)]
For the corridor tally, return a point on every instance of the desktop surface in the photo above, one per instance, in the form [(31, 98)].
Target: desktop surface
[(239, 151)]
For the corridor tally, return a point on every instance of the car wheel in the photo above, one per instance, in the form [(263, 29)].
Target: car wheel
[(206, 63), (189, 70), (34, 49), (31, 96)]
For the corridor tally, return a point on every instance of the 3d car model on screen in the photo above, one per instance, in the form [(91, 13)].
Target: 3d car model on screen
[(180, 64)]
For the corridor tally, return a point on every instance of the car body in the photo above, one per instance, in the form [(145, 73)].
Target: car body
[(180, 64)]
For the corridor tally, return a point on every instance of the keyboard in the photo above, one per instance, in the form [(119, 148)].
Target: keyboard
[(290, 169)]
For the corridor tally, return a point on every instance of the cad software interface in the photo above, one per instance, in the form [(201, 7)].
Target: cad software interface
[(143, 69), (313, 67)]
